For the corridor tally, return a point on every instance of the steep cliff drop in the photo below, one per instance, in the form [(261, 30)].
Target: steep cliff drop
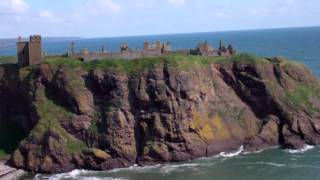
[(112, 114)]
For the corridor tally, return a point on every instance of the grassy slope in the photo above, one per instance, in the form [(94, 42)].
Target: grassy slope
[(8, 59), (182, 62)]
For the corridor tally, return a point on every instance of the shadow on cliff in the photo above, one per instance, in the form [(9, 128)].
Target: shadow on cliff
[(11, 112), (251, 89), (104, 102)]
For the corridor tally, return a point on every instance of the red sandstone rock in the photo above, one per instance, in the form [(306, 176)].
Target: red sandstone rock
[(103, 120)]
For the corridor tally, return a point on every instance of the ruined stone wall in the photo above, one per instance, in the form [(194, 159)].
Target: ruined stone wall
[(23, 53), (118, 55)]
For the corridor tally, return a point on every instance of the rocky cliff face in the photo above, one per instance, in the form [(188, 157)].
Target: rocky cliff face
[(101, 119)]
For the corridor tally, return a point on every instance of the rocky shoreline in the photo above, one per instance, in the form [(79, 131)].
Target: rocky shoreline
[(9, 173), (115, 114)]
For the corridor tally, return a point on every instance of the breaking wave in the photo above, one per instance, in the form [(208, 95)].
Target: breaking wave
[(136, 168), (169, 168), (266, 163), (75, 175), (304, 149), (232, 154)]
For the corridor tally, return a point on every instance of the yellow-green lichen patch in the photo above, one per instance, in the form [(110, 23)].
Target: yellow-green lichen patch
[(209, 128)]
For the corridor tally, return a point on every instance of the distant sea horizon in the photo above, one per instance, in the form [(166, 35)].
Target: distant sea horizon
[(161, 34)]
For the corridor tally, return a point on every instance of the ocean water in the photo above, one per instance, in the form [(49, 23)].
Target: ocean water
[(274, 164), (300, 44)]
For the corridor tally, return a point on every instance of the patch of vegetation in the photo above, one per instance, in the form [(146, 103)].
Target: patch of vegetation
[(285, 63), (300, 97), (190, 62), (8, 59), (121, 65), (94, 123), (181, 62), (75, 81), (75, 145), (245, 58), (63, 61), (49, 116)]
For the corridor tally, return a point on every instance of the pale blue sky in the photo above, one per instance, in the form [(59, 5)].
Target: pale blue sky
[(106, 18)]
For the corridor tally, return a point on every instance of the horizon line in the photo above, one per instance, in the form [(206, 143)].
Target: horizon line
[(177, 33)]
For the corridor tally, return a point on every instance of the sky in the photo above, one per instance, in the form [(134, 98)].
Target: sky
[(110, 18)]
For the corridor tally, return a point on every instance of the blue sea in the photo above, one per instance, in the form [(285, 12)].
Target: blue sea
[(299, 44)]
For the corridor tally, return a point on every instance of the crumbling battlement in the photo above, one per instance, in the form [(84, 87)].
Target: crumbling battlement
[(30, 52), (153, 49)]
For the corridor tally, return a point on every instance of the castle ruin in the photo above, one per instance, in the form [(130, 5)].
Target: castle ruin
[(151, 49), (206, 49), (29, 52)]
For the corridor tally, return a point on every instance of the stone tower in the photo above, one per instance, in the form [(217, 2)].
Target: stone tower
[(22, 52), (146, 46), (35, 50), (29, 52)]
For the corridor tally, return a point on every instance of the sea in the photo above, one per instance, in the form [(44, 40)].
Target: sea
[(297, 44)]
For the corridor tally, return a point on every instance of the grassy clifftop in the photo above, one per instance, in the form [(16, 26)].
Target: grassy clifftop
[(182, 62), (8, 59)]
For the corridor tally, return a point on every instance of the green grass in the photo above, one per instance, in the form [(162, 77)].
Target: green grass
[(8, 59), (3, 154), (245, 58), (181, 62), (49, 116), (63, 61), (287, 64), (300, 97), (93, 128)]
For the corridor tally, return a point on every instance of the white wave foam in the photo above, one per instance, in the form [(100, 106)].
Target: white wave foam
[(259, 151), (304, 149), (232, 154), (75, 174), (172, 167), (266, 163), (163, 168), (136, 168)]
